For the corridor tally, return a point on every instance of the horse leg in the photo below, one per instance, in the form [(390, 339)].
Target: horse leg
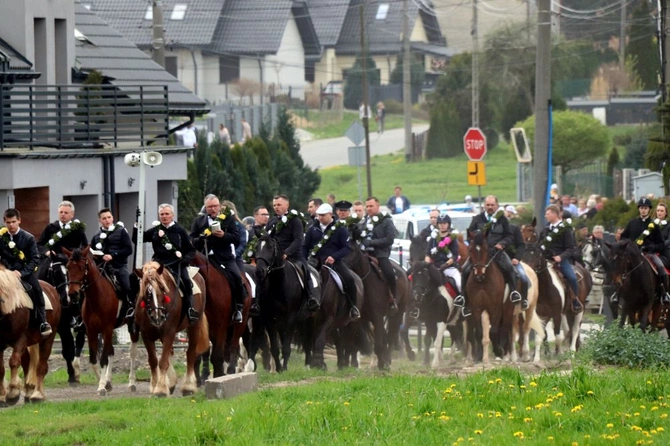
[(575, 325), (215, 356), (404, 336), (153, 363), (132, 380), (380, 348), (286, 339), (162, 388), (427, 341), (438, 358), (320, 343), (68, 349), (486, 337), (14, 389), (190, 385)]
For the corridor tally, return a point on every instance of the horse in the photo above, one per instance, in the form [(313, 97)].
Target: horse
[(160, 314), (53, 271), (636, 281), (418, 247), (333, 315), (435, 305), (223, 335), (528, 319), (280, 298), (553, 303), (488, 296), (101, 313), (29, 349)]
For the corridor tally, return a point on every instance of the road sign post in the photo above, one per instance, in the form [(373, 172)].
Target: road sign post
[(474, 146)]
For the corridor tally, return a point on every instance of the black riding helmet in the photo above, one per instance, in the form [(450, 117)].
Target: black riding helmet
[(444, 218), (644, 201)]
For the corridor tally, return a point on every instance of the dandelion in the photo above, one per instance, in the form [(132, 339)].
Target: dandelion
[(498, 415), (36, 411), (522, 386), (478, 432), (480, 415), (587, 436), (192, 401), (590, 393), (534, 384), (649, 382), (518, 434), (529, 408), (229, 418), (511, 386), (411, 405), (660, 429), (513, 408), (636, 414), (664, 415), (346, 403), (559, 394), (610, 425), (636, 428), (558, 414), (550, 438), (643, 407), (653, 408), (490, 381), (574, 443), (527, 420)]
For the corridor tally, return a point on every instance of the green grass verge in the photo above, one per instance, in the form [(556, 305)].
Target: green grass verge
[(424, 182), (611, 406), (324, 125)]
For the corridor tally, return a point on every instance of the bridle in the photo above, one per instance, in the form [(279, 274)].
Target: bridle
[(475, 265), (627, 258), (271, 264)]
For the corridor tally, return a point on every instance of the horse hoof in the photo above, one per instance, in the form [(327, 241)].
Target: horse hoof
[(73, 383), (172, 389), (159, 395), (12, 401), (132, 388), (3, 403), (102, 392), (187, 392), (411, 356), (108, 386)]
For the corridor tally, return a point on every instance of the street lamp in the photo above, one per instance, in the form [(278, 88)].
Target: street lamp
[(151, 159)]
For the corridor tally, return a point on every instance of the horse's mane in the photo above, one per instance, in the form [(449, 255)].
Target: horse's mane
[(150, 272), (11, 295), (479, 238), (78, 255)]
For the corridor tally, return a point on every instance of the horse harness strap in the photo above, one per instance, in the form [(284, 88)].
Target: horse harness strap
[(498, 251)]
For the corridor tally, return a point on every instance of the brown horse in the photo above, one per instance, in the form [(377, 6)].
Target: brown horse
[(160, 314), (101, 313), (28, 348), (488, 296), (225, 337)]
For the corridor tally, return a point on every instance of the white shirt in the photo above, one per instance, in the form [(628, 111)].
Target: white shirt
[(188, 137)]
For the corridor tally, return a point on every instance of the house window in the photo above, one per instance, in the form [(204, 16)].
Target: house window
[(149, 15), (171, 65), (382, 11), (178, 12), (229, 69)]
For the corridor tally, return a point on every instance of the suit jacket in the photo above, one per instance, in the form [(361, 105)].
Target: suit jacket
[(75, 239), (179, 239), (290, 238), (117, 244), (499, 232), (222, 248), (515, 249), (653, 242), (25, 242), (562, 244), (336, 246), (380, 237)]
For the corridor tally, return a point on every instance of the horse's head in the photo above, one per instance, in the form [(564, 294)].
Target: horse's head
[(624, 258), (528, 232), (533, 256), (155, 293), (425, 277), (56, 275), (268, 256), (479, 254), (417, 249), (77, 269)]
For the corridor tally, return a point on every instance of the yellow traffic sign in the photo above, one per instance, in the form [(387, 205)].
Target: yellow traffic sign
[(476, 173)]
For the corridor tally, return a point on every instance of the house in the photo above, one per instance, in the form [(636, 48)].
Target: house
[(338, 26), (224, 49), (62, 140)]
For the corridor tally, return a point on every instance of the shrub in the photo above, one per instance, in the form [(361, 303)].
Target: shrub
[(393, 106), (627, 347)]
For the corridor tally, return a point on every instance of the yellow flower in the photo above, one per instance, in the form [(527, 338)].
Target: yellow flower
[(533, 384), (639, 242), (346, 403), (651, 225), (207, 232), (222, 216), (3, 231), (660, 429), (518, 434), (610, 425), (478, 432), (590, 392), (21, 255), (550, 438)]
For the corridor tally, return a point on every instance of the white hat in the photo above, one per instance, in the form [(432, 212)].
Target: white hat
[(325, 208), (554, 186), (510, 208)]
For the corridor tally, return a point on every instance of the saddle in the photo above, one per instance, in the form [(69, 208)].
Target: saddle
[(334, 275), (651, 263), (301, 275), (110, 274)]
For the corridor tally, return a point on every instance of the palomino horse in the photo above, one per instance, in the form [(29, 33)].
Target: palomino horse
[(160, 314), (333, 316), (224, 335), (101, 313), (488, 296), (553, 303), (637, 282), (53, 271), (28, 347), (280, 297)]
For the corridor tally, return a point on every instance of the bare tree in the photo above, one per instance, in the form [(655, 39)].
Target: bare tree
[(246, 87)]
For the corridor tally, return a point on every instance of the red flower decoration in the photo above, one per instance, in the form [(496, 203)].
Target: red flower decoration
[(143, 304), (166, 299)]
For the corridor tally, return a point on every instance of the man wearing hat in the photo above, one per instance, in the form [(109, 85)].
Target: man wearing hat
[(651, 243), (343, 209), (328, 243), (515, 251)]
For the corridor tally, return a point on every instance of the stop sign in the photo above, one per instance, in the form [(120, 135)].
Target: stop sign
[(474, 144)]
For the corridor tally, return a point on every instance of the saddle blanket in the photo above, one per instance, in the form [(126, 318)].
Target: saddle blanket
[(252, 283), (336, 277), (192, 271), (298, 271), (47, 301)]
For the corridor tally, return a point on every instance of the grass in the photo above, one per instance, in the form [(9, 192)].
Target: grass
[(333, 124), (583, 407), (427, 181)]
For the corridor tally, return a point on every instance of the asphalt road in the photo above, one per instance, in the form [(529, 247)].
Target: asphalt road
[(334, 152)]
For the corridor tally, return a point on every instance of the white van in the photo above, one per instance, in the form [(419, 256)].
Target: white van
[(411, 222)]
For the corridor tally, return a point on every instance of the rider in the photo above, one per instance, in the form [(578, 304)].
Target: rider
[(331, 250), (427, 232), (216, 234), (442, 251), (112, 246), (173, 249), (379, 233), (290, 237), (649, 238), (661, 220), (499, 237), (558, 244), (515, 252), (18, 251)]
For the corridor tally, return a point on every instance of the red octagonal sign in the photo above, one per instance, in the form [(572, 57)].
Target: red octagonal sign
[(474, 144)]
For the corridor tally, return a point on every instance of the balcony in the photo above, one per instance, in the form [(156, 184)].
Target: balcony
[(83, 116)]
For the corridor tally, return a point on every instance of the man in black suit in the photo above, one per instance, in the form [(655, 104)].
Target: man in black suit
[(72, 232), (18, 252), (111, 247), (216, 235)]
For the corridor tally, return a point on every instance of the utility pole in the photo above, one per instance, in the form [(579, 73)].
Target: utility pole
[(158, 43), (475, 67), (622, 36), (665, 52), (366, 117), (406, 83), (542, 98)]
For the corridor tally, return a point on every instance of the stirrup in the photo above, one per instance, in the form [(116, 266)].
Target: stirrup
[(130, 314), (515, 297), (459, 301), (354, 314), (45, 329), (524, 304), (254, 310), (665, 298), (237, 317), (393, 308), (193, 314), (313, 304), (614, 299), (414, 313), (577, 306), (466, 312)]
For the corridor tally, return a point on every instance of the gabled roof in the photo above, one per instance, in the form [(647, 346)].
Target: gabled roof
[(123, 64), (384, 36), (13, 59), (128, 17), (328, 17)]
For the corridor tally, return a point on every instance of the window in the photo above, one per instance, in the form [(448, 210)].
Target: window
[(178, 12), (382, 11), (149, 15), (171, 65), (229, 69)]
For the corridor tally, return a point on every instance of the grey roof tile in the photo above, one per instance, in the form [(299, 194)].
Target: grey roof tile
[(328, 17)]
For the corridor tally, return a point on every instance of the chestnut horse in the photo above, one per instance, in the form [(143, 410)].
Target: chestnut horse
[(101, 313), (160, 314), (488, 296), (29, 349)]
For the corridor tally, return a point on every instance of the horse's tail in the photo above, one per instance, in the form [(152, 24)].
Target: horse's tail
[(365, 338), (202, 337)]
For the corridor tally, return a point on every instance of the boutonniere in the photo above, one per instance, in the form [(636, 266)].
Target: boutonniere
[(283, 221), (165, 240), (16, 252), (75, 225), (104, 234), (660, 222), (494, 220), (645, 233), (557, 232), (374, 221), (225, 214)]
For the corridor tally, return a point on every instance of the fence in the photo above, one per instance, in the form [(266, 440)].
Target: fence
[(231, 115), (69, 116), (591, 179)]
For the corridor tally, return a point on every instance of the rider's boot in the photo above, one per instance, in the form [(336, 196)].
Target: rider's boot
[(524, 295), (192, 313), (254, 310), (45, 327), (240, 295)]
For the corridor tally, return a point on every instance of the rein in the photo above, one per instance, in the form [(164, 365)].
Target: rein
[(475, 265), (272, 264)]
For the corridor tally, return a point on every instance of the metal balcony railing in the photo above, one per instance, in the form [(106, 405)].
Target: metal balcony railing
[(82, 116)]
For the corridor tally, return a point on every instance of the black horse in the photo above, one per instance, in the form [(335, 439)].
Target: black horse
[(53, 270)]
